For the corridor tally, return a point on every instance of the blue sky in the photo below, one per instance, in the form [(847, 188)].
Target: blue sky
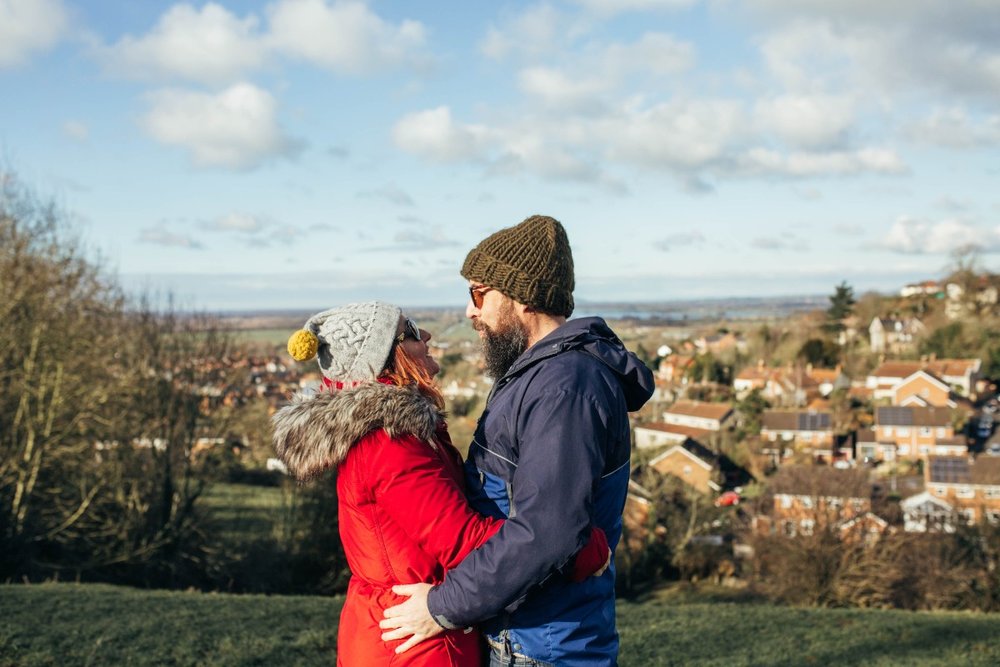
[(301, 153)]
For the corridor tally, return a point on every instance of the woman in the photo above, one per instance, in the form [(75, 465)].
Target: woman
[(400, 487)]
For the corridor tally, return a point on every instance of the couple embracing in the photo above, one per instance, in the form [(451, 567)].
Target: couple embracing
[(502, 560)]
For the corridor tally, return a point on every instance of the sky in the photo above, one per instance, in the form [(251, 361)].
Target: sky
[(293, 154)]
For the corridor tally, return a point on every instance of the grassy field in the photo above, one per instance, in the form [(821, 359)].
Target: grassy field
[(242, 512), (69, 624)]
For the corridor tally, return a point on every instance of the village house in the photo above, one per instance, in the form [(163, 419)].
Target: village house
[(923, 388), (971, 486), (925, 288), (673, 368), (870, 450), (700, 414), (789, 385), (918, 431), (720, 342), (811, 429), (701, 468), (810, 498), (959, 374), (635, 518), (894, 336), (985, 299), (652, 435)]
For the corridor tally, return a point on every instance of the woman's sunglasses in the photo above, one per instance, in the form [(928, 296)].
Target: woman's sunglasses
[(410, 329)]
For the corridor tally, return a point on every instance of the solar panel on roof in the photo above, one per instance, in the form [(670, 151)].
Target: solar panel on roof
[(949, 470)]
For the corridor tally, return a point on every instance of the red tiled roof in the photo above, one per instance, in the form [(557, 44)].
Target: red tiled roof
[(701, 409)]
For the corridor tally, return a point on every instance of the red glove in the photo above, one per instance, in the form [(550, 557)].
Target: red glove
[(593, 557)]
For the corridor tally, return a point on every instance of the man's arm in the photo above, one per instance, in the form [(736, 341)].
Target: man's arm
[(562, 444)]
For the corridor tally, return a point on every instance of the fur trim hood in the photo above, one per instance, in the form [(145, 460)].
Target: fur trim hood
[(314, 433)]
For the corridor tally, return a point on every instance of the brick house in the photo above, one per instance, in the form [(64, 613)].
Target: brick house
[(790, 385), (701, 468), (801, 427), (868, 447), (923, 388), (699, 414), (809, 498), (918, 431), (959, 374), (970, 486)]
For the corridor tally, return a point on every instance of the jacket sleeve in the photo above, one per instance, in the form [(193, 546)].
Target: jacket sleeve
[(411, 484), (562, 438)]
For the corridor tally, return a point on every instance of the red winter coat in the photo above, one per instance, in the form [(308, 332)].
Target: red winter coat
[(402, 510)]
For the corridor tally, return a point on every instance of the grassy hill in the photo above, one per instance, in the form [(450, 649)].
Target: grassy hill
[(69, 624)]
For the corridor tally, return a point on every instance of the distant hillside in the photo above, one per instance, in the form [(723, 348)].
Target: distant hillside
[(68, 624)]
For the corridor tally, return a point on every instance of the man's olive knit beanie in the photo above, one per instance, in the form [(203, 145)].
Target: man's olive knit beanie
[(530, 262)]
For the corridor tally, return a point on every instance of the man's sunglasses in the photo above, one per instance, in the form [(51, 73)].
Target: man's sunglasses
[(410, 329), (477, 293)]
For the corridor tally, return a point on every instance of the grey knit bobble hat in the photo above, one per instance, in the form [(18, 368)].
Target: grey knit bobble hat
[(355, 340)]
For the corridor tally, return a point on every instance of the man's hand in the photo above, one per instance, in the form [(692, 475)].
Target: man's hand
[(409, 619)]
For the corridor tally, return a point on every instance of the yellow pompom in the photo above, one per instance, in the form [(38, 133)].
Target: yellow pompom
[(303, 345)]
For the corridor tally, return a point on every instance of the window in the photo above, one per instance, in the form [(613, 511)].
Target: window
[(967, 515), (904, 450), (786, 501), (789, 528), (687, 470), (888, 431), (941, 432), (925, 431), (807, 502), (993, 516), (807, 526), (992, 492), (903, 432), (924, 449), (965, 492), (939, 490)]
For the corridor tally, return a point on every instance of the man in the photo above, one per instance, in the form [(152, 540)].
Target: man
[(550, 454)]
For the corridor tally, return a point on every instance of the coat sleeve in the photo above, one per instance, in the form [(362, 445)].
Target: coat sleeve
[(562, 443), (410, 483)]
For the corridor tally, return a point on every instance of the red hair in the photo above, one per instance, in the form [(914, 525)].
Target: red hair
[(403, 370)]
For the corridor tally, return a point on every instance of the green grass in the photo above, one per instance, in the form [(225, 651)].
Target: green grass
[(241, 512), (70, 624)]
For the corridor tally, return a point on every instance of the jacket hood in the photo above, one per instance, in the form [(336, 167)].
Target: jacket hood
[(314, 433), (593, 336)]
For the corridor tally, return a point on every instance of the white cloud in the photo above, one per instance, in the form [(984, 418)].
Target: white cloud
[(344, 36), (832, 163), (76, 130), (950, 47), (432, 134), (913, 236), (210, 45), (391, 193), (236, 128), (807, 121), (675, 134), (680, 239), (955, 127), (236, 222), (29, 26), (534, 31), (556, 89), (162, 236), (619, 6), (656, 53)]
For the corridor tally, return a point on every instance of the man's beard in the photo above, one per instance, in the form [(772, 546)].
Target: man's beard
[(504, 344)]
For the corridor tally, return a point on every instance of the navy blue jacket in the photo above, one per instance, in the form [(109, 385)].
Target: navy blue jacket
[(551, 455)]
